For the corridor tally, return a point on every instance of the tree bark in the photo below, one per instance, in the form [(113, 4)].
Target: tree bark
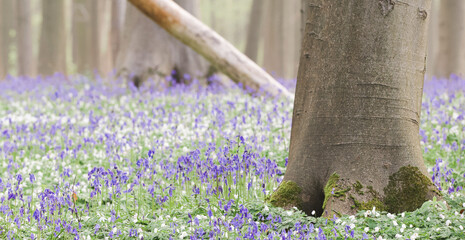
[(253, 33), (8, 21), (433, 40), (116, 28), (450, 57), (209, 44), (25, 51), (52, 51), (81, 35), (2, 48), (273, 59), (148, 51), (355, 131)]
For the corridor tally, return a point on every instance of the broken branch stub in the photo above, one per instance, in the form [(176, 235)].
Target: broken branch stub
[(219, 52)]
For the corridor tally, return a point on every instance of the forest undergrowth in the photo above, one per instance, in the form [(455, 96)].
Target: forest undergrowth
[(84, 159)]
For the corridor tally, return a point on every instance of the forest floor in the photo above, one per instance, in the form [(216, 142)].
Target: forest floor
[(83, 159)]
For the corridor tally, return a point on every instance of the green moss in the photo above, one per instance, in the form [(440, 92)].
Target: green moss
[(375, 202), (287, 195), (330, 185), (358, 188), (407, 190)]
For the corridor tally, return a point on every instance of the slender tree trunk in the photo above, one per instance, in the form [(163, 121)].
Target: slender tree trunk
[(253, 34), (433, 39), (81, 35), (25, 50), (355, 129), (52, 51), (8, 19), (291, 38), (116, 28), (2, 48), (274, 38), (450, 57), (96, 9)]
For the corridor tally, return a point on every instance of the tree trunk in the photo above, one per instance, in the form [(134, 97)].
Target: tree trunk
[(273, 59), (8, 21), (52, 51), (2, 48), (433, 40), (253, 33), (81, 35), (149, 51), (355, 131), (116, 31), (291, 38), (451, 54), (25, 51)]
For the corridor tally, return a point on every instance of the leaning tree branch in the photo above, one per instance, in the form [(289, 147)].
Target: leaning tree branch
[(219, 52)]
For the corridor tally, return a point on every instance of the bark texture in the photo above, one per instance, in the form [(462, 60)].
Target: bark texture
[(8, 23), (253, 32), (52, 50), (450, 57), (81, 35), (433, 39), (149, 51), (25, 51), (213, 47), (117, 20), (282, 37), (355, 129), (2, 48)]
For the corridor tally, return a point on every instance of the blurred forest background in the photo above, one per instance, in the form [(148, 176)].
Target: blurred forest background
[(40, 37)]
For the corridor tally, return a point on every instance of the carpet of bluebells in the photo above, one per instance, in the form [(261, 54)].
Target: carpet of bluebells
[(88, 158)]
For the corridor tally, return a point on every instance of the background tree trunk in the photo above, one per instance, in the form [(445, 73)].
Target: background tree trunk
[(81, 35), (254, 29), (149, 51), (433, 39), (52, 51), (355, 130), (117, 21), (450, 57), (25, 51), (273, 61), (2, 48), (8, 16)]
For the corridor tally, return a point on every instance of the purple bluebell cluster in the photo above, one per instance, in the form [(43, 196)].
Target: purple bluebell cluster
[(90, 158)]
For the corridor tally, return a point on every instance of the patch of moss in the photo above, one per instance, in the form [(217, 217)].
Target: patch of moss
[(375, 202), (330, 185), (358, 188), (287, 195), (407, 190)]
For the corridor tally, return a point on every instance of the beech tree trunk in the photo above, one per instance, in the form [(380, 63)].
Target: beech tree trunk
[(149, 51), (8, 23), (273, 59), (450, 56), (52, 50), (213, 47), (81, 35), (355, 131), (2, 48), (117, 17), (253, 33), (25, 51)]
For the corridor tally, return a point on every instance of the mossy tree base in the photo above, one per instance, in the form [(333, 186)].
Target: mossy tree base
[(286, 196), (407, 190)]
